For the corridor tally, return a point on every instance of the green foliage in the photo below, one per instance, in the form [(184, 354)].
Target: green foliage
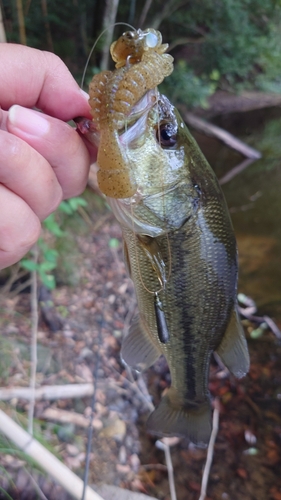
[(237, 40), (6, 359), (114, 243), (269, 79), (48, 257), (183, 86)]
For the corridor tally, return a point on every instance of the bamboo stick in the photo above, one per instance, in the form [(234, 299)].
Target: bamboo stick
[(49, 463)]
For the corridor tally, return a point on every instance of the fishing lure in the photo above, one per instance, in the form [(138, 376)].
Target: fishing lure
[(141, 65)]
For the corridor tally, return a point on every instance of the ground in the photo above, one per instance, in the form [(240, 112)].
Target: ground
[(93, 304)]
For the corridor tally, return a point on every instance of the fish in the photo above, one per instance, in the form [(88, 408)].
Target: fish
[(180, 252)]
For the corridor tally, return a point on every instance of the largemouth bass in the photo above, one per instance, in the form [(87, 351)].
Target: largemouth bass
[(180, 251)]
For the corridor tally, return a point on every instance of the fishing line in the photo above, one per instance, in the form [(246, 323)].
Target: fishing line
[(92, 406), (95, 44), (95, 374), (163, 206), (154, 292)]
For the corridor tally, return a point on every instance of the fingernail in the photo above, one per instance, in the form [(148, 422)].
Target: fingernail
[(29, 121), (84, 94)]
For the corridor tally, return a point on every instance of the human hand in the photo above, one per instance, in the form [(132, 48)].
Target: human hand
[(42, 159)]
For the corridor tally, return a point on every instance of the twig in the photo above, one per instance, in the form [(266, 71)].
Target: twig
[(135, 386), (249, 313), (210, 451), (85, 216), (235, 171), (93, 404), (184, 41), (273, 327), (47, 392), (36, 486), (20, 288), (66, 417), (166, 448), (223, 135), (34, 323), (14, 276), (49, 463)]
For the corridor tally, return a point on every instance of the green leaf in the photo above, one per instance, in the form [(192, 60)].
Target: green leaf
[(113, 243), (52, 226), (51, 255), (77, 202), (30, 265), (66, 208), (48, 280), (215, 75), (47, 266)]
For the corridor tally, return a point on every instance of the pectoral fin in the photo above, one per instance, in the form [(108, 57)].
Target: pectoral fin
[(137, 350), (233, 349)]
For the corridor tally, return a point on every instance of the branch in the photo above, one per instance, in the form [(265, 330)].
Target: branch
[(235, 171), (47, 392), (66, 417), (210, 451), (184, 41), (223, 135), (34, 326), (166, 448)]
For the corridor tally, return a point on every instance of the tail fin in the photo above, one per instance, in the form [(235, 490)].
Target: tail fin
[(193, 423)]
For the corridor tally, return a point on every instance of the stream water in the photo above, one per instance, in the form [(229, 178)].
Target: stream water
[(254, 200)]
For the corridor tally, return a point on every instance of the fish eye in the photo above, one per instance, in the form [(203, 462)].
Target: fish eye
[(165, 135)]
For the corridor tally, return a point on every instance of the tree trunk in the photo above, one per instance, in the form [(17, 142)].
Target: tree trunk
[(110, 13), (169, 7), (144, 13), (22, 33), (3, 38), (50, 44)]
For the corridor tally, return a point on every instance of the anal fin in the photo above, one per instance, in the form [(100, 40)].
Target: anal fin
[(233, 349), (138, 351)]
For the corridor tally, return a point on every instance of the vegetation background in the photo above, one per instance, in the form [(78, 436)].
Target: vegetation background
[(217, 44), (229, 45)]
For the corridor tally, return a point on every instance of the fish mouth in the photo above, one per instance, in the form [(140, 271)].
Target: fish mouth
[(136, 121)]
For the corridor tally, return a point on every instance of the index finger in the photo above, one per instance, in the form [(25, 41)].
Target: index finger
[(31, 77)]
